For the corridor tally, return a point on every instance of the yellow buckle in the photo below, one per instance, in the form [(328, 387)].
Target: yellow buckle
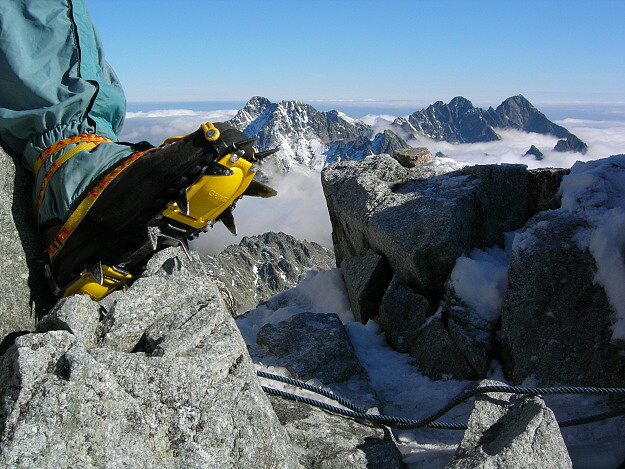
[(211, 133)]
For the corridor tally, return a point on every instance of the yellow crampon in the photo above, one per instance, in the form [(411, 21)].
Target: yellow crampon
[(211, 195), (207, 200), (98, 282)]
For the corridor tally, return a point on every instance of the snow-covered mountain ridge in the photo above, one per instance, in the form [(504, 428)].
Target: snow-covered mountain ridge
[(310, 137), (315, 139)]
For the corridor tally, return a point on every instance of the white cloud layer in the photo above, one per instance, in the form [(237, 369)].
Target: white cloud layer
[(157, 126), (300, 209)]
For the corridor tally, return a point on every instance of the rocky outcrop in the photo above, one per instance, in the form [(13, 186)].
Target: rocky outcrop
[(573, 144), (535, 152), (511, 431), (422, 220), (157, 376), (261, 266)]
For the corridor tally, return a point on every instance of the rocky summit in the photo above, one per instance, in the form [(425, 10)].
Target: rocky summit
[(161, 376)]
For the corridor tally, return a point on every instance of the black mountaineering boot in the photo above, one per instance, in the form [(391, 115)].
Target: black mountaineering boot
[(153, 199)]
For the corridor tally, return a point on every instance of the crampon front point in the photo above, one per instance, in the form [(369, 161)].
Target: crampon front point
[(215, 177)]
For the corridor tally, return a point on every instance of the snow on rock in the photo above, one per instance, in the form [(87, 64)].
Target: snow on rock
[(565, 284), (481, 280), (595, 190)]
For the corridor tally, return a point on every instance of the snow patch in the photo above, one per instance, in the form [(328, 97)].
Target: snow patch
[(481, 279)]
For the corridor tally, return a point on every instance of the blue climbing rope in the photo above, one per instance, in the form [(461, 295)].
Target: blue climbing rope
[(401, 423)]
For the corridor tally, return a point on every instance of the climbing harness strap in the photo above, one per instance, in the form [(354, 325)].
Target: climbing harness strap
[(401, 423)]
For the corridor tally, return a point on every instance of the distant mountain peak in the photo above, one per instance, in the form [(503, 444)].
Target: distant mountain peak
[(307, 136), (461, 122)]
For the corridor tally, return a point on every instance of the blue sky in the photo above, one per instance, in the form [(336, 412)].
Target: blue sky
[(393, 50)]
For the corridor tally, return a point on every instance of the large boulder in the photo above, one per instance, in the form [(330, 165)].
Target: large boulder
[(508, 430), (321, 339), (556, 320), (421, 219), (411, 157), (156, 377)]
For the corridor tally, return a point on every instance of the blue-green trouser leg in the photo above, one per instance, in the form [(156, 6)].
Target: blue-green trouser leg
[(54, 84)]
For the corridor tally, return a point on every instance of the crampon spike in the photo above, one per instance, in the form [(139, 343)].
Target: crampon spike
[(240, 145), (183, 203), (227, 219), (257, 189), (264, 154)]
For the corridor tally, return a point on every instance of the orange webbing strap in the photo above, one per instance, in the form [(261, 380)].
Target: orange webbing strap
[(58, 146), (91, 197), (85, 142)]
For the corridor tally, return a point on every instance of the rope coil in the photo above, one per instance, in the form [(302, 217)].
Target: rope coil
[(430, 421)]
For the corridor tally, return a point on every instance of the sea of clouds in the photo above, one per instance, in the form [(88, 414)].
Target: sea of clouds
[(300, 208)]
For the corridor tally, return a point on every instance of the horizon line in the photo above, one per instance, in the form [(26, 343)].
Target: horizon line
[(369, 101)]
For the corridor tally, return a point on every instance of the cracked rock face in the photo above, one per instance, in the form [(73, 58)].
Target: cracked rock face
[(25, 294), (419, 221), (157, 376)]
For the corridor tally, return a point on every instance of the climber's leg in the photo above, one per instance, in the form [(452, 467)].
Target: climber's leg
[(55, 84)]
